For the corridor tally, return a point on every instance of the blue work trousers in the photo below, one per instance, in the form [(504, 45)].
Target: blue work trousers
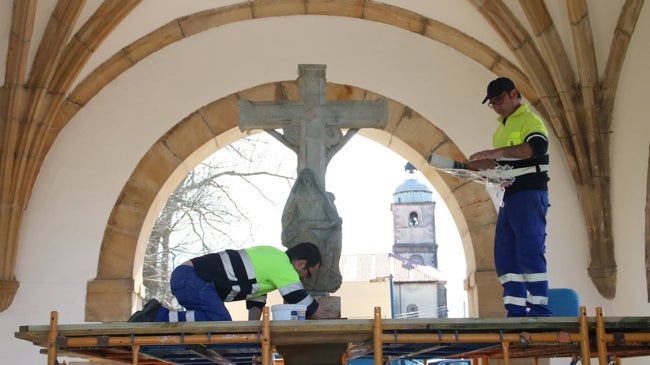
[(519, 253), (197, 296)]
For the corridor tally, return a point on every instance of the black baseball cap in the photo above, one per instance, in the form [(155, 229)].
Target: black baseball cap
[(497, 86)]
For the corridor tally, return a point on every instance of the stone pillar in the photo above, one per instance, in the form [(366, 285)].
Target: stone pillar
[(329, 302), (109, 300), (316, 354), (484, 293)]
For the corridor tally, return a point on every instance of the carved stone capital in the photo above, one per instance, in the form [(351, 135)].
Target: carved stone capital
[(604, 277), (8, 290)]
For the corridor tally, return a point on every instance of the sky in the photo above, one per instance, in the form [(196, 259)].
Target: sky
[(363, 176)]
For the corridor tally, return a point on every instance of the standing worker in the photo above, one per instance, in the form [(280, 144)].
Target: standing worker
[(521, 143)]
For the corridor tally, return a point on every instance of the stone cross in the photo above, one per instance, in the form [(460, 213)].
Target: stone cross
[(312, 129), (312, 125)]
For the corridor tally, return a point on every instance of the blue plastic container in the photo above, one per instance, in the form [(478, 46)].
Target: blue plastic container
[(563, 302)]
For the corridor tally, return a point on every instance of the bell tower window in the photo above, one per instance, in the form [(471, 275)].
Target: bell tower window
[(413, 219)]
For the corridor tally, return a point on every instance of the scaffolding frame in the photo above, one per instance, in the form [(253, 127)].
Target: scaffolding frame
[(579, 338)]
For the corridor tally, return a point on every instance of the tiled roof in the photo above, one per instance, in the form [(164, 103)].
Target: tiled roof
[(412, 191)]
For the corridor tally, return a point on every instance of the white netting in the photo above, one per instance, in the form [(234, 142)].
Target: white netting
[(496, 180)]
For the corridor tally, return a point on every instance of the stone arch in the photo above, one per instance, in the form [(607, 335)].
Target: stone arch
[(111, 295), (193, 24)]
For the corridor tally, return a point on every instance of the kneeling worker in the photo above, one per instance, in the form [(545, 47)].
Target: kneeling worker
[(202, 284)]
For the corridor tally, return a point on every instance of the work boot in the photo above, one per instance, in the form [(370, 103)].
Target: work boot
[(148, 312)]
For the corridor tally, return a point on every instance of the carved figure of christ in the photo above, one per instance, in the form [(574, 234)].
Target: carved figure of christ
[(312, 125)]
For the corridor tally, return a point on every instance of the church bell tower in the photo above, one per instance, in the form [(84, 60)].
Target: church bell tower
[(414, 221)]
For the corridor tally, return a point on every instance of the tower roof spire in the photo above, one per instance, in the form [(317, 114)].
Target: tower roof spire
[(411, 190)]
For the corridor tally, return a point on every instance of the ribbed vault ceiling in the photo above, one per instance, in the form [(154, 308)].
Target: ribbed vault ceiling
[(47, 82)]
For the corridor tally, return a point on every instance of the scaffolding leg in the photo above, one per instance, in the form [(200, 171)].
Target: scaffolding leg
[(378, 346), (601, 344), (506, 352), (52, 350), (585, 352), (135, 350), (267, 354)]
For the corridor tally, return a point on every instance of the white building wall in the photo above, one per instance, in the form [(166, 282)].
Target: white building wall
[(423, 295)]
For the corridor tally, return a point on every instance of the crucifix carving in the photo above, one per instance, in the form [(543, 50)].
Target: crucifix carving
[(312, 128)]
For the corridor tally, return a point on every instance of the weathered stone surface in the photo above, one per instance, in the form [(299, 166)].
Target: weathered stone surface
[(208, 19), (8, 290), (484, 285), (186, 135), (312, 127), (108, 300), (221, 115)]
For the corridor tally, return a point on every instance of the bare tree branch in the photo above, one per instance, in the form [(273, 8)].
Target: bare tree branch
[(200, 214)]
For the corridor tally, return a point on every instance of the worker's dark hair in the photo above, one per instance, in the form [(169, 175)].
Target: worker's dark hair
[(305, 251)]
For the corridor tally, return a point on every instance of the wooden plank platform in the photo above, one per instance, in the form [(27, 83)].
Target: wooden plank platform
[(250, 342)]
